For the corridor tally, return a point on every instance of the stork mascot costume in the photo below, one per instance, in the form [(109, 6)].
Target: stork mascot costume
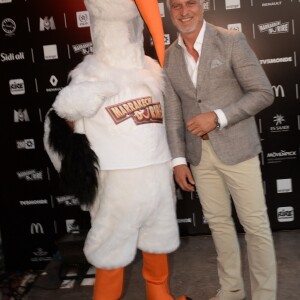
[(105, 136)]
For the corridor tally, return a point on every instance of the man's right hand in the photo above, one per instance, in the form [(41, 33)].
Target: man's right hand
[(184, 178)]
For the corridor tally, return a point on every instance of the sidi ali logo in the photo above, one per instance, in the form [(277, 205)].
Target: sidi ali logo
[(8, 57)]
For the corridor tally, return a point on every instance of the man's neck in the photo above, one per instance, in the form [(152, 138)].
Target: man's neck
[(189, 40)]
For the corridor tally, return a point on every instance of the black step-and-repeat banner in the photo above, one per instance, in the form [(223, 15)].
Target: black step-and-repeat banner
[(41, 41)]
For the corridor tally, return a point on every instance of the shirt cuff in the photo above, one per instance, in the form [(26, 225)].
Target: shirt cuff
[(221, 118), (178, 161)]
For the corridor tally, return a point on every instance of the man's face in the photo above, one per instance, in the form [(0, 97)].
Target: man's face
[(186, 15)]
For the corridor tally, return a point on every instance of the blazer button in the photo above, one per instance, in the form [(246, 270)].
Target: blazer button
[(199, 100)]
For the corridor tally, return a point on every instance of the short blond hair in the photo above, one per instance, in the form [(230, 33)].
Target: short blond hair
[(168, 3)]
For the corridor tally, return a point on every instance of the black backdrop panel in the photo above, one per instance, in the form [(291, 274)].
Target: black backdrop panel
[(40, 43)]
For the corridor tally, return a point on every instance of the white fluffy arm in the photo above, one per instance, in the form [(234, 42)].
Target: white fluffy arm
[(83, 99)]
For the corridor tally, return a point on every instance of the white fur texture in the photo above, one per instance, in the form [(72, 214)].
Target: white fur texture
[(83, 100), (109, 10), (116, 30), (93, 82), (134, 208)]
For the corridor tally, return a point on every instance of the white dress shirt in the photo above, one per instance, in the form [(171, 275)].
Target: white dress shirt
[(192, 67)]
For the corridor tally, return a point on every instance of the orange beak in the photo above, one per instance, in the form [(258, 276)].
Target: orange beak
[(149, 11)]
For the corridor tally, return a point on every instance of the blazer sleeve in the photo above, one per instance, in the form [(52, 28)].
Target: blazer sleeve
[(174, 121), (257, 90)]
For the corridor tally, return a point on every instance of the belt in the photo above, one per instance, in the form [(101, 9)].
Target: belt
[(205, 137)]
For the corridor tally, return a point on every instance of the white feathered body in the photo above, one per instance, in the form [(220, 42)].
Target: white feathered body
[(115, 98)]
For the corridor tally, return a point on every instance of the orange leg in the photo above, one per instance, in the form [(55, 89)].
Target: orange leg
[(108, 284), (156, 273)]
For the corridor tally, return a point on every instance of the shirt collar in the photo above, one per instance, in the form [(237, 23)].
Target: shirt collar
[(199, 40)]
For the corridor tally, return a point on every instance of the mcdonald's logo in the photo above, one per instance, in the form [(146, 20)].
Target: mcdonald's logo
[(278, 91), (36, 228)]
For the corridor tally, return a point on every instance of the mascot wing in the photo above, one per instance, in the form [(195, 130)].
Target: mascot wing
[(117, 35)]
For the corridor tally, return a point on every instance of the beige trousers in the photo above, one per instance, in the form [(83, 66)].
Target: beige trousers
[(215, 182)]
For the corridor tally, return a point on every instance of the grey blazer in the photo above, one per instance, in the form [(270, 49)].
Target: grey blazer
[(230, 78)]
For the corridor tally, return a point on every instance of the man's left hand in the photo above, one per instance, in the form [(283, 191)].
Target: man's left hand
[(202, 123)]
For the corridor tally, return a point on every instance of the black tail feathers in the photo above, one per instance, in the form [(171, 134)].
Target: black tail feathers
[(79, 165)]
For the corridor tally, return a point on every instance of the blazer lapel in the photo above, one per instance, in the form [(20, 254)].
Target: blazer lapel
[(205, 60), (182, 68)]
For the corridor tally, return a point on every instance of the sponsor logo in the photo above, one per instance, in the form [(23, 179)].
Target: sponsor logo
[(206, 5), (31, 203), (50, 52), (27, 144), (236, 27), (31, 175), (161, 9), (278, 91), (279, 121), (284, 186), (9, 26), (84, 48), (47, 23), (274, 3), (21, 115), (40, 255), (5, 57), (276, 157), (54, 81), (17, 86), (274, 27), (232, 4), (167, 40), (83, 19), (186, 220), (278, 60), (36, 228), (72, 226), (68, 200), (204, 220), (285, 214), (141, 110)]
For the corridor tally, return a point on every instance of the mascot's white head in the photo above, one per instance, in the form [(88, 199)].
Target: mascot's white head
[(117, 31)]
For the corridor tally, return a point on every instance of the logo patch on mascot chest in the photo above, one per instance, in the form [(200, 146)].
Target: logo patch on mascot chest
[(141, 110)]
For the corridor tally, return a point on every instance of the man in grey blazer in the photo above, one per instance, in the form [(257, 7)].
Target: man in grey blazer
[(214, 88)]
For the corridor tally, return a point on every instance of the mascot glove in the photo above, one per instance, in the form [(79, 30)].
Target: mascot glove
[(83, 100)]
